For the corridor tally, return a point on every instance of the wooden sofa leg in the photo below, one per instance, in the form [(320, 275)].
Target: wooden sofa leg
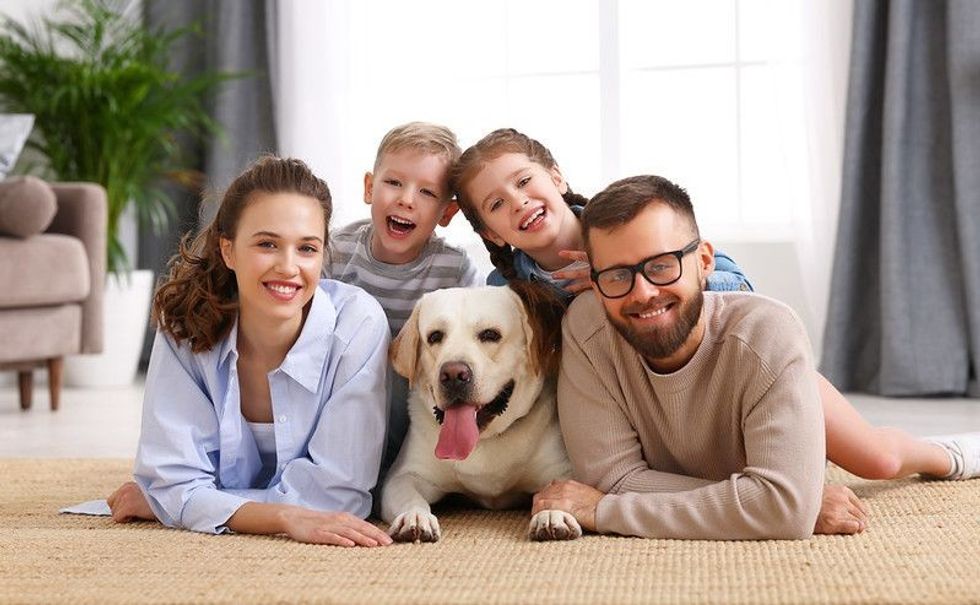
[(25, 380), (55, 367)]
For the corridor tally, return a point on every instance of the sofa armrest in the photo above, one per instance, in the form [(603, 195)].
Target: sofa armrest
[(83, 213)]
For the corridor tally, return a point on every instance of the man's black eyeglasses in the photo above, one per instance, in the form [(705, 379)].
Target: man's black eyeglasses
[(660, 270)]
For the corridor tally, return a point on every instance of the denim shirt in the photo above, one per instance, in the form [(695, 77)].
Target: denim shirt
[(727, 276), (197, 461)]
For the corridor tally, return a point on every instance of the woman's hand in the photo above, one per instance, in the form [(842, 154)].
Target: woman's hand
[(339, 529), (580, 273), (129, 504)]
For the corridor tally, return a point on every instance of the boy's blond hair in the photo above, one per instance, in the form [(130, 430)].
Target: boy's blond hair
[(421, 136)]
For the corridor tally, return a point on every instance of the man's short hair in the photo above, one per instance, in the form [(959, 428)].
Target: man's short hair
[(420, 136), (623, 200)]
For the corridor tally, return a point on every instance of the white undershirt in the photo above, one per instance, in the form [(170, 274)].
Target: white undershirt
[(265, 439)]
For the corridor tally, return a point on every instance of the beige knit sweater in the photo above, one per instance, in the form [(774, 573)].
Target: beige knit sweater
[(731, 446)]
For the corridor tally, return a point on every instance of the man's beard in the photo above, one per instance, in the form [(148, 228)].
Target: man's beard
[(659, 343)]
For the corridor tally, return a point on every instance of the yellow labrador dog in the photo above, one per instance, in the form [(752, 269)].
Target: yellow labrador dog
[(483, 421)]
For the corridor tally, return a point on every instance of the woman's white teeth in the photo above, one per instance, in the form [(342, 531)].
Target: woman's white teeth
[(283, 289), (527, 222)]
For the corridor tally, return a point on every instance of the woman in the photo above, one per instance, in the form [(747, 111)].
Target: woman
[(264, 410)]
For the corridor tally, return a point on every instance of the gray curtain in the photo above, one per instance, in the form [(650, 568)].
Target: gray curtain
[(904, 311), (235, 37)]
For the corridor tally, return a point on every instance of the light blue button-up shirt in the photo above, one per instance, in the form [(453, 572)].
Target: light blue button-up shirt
[(197, 460)]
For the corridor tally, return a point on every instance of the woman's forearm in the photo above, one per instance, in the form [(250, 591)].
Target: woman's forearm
[(260, 518)]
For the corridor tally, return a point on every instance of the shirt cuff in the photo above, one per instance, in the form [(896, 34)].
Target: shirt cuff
[(605, 511), (208, 510)]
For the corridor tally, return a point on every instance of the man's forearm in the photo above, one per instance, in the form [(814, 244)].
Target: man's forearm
[(747, 507), (645, 480)]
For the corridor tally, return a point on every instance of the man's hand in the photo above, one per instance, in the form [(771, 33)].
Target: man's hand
[(576, 499), (841, 512)]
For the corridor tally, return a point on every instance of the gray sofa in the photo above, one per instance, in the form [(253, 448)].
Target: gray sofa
[(52, 275)]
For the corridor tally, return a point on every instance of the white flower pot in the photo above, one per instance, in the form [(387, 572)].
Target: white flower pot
[(126, 310)]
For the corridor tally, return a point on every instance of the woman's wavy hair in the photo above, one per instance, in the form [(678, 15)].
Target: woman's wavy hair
[(490, 147), (198, 300)]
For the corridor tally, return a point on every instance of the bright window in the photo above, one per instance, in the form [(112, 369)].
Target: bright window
[(614, 88)]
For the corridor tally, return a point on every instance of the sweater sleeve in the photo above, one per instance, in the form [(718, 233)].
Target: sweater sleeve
[(776, 495)]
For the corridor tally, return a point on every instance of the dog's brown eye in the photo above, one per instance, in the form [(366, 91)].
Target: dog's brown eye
[(435, 337), (489, 336)]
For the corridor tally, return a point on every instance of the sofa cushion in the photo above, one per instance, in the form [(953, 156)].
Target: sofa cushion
[(46, 269), (27, 206), (40, 332)]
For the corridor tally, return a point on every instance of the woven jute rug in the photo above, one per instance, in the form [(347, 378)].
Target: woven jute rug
[(923, 546)]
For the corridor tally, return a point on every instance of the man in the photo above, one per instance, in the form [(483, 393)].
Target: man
[(686, 414)]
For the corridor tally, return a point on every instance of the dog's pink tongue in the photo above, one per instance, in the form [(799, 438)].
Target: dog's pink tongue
[(459, 433)]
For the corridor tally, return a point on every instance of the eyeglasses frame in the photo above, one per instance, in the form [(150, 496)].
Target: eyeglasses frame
[(638, 268)]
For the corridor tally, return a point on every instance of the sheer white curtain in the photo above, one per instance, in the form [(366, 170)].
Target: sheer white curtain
[(812, 55)]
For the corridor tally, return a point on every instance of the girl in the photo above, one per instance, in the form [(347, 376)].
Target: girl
[(264, 409), (511, 190)]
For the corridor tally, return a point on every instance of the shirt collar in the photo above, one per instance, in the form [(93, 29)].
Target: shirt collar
[(304, 361), (230, 344)]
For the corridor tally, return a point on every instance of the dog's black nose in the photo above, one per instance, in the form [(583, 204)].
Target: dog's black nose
[(455, 376)]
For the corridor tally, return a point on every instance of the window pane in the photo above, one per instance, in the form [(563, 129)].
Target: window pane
[(681, 125), (766, 196), (549, 36), (424, 41), (671, 32), (756, 19)]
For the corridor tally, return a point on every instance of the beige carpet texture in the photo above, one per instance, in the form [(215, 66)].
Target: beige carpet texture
[(923, 546)]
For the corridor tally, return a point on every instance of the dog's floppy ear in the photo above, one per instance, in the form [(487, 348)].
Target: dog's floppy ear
[(404, 350), (541, 313)]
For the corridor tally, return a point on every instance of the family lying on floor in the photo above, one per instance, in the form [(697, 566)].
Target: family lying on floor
[(686, 406)]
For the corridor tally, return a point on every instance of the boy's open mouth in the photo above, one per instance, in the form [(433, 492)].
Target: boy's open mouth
[(399, 226)]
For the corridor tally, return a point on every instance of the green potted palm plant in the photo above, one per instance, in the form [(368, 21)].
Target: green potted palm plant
[(107, 110)]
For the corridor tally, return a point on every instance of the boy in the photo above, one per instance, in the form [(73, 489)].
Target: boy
[(394, 255)]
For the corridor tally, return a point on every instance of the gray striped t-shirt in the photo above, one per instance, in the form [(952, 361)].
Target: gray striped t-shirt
[(397, 287)]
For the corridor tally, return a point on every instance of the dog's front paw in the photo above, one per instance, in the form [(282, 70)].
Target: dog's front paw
[(554, 525), (415, 525)]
